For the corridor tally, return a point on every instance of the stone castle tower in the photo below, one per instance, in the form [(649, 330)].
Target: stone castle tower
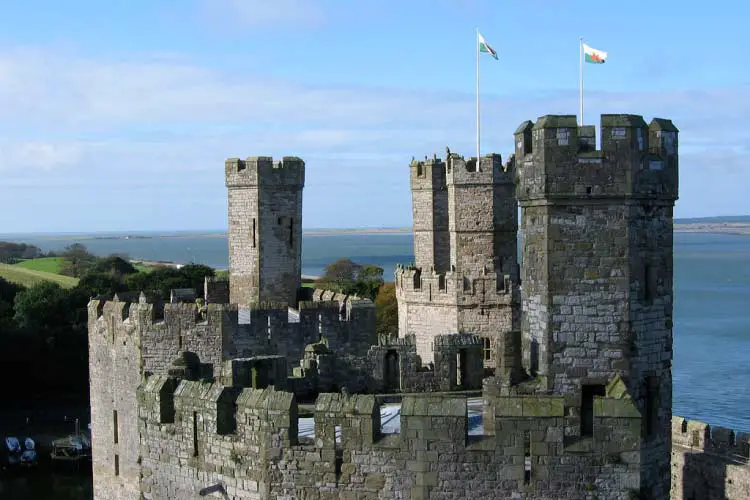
[(265, 228), (597, 267), (465, 274)]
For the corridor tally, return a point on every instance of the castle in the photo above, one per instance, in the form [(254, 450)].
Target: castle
[(547, 380)]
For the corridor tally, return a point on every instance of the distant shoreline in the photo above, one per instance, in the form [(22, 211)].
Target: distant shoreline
[(735, 228)]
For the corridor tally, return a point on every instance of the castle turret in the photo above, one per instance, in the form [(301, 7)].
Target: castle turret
[(265, 228), (430, 214), (597, 266), (465, 274)]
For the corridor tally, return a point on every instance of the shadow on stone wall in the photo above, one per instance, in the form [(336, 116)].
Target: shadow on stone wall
[(703, 477)]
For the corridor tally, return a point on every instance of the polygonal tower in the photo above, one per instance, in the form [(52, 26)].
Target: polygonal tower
[(265, 229), (597, 269), (465, 273)]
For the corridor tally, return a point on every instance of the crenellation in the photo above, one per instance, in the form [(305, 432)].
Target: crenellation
[(574, 368)]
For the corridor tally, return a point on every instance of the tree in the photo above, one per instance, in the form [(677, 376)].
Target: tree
[(114, 264), (386, 309), (42, 308), (346, 276), (196, 274), (100, 283), (77, 261), (8, 292)]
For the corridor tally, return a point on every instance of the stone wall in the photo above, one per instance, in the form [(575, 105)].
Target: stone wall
[(432, 304), (709, 463), (256, 452)]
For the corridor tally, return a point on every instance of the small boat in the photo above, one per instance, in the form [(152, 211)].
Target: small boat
[(73, 448), (17, 455)]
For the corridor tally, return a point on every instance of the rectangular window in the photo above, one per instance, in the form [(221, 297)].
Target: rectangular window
[(587, 407), (526, 457), (115, 426), (254, 232), (117, 465), (651, 417), (487, 349), (195, 434), (291, 232)]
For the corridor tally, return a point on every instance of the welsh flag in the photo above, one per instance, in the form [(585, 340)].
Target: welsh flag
[(593, 55), (485, 47)]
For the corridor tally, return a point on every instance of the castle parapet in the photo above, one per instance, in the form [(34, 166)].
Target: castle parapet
[(430, 286), (558, 158), (262, 170), (491, 170), (717, 440)]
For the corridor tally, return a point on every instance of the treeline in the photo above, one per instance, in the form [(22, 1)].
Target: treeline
[(43, 328), (10, 253)]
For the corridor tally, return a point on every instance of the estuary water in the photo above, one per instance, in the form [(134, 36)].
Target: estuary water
[(712, 294)]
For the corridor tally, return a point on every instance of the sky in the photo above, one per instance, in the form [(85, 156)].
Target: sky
[(118, 115)]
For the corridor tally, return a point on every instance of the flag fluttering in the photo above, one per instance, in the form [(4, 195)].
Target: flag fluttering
[(593, 55), (484, 46)]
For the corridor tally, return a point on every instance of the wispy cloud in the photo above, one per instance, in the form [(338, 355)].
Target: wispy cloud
[(119, 126)]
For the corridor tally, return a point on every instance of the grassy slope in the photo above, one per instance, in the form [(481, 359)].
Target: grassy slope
[(28, 277), (44, 264)]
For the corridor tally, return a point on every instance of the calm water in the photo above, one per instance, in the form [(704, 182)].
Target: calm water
[(712, 290)]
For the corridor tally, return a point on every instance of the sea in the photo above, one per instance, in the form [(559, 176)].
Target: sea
[(712, 294)]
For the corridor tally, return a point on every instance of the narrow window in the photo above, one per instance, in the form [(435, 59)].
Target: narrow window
[(587, 407), (254, 232), (117, 465), (291, 232), (195, 433), (526, 457), (651, 417), (115, 426), (487, 349)]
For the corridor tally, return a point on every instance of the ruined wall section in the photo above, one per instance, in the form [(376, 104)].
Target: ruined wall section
[(265, 229), (197, 441), (709, 463), (595, 221)]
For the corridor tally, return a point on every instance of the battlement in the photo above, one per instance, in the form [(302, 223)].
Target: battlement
[(556, 157), (250, 432), (430, 286), (721, 441), (263, 171), (428, 174), (436, 174)]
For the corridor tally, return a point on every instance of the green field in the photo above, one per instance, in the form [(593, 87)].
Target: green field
[(29, 277), (44, 264)]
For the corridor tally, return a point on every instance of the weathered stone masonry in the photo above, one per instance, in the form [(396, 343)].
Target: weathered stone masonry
[(580, 402), (465, 275)]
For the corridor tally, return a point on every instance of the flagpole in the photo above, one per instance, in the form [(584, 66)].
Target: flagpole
[(476, 45), (580, 77)]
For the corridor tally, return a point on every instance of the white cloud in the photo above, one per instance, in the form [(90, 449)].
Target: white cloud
[(119, 127)]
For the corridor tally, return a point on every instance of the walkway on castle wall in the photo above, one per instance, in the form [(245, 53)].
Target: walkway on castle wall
[(390, 419)]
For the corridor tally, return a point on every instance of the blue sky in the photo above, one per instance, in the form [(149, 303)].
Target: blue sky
[(118, 115)]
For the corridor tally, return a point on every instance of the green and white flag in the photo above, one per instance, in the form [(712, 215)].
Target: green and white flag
[(484, 46)]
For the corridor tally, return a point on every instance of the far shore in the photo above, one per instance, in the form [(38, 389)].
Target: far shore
[(738, 228)]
